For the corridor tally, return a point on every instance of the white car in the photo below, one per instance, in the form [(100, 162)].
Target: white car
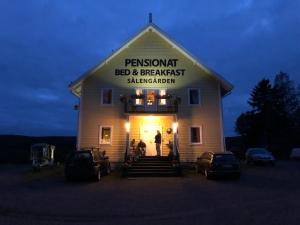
[(295, 153)]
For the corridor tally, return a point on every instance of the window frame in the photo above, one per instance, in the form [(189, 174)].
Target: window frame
[(141, 99), (200, 135), (189, 96), (112, 96), (159, 101), (100, 134)]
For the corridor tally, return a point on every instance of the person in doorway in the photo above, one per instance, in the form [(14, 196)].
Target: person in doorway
[(158, 142), (141, 148)]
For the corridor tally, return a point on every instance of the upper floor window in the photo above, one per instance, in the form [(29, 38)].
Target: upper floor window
[(194, 96), (139, 97), (106, 96), (162, 93), (150, 96)]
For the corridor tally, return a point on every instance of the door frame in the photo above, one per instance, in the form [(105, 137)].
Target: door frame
[(157, 127)]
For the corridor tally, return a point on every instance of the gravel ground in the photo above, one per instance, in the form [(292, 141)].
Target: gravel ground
[(263, 195)]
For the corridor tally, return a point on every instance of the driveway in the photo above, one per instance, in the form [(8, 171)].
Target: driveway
[(263, 195)]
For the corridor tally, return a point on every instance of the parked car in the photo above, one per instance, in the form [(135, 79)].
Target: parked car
[(259, 156), (87, 164), (216, 164), (41, 155), (295, 153)]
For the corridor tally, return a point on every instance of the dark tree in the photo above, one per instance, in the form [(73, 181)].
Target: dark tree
[(261, 96), (274, 120), (285, 95), (255, 125)]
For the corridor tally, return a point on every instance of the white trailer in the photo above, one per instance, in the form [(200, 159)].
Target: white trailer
[(42, 154)]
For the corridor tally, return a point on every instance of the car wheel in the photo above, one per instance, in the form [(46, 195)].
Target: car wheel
[(206, 174), (98, 176), (237, 176), (37, 168), (197, 169), (68, 178), (108, 169), (248, 162)]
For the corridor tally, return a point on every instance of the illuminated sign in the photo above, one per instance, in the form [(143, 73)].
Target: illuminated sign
[(150, 71)]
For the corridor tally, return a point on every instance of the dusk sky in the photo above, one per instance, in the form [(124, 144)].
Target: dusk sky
[(46, 44)]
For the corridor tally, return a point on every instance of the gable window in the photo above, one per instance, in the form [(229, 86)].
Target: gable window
[(105, 135), (196, 135), (194, 96), (106, 96)]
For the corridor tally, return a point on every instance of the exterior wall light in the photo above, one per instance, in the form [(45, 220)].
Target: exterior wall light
[(127, 126), (175, 126)]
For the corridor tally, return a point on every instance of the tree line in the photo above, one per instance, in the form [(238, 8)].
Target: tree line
[(274, 118)]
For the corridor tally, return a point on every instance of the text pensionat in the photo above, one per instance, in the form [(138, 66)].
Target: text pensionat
[(151, 62)]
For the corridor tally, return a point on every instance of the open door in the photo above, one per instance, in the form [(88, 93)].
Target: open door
[(150, 104), (147, 134)]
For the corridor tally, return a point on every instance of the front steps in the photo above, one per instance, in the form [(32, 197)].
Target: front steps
[(152, 166)]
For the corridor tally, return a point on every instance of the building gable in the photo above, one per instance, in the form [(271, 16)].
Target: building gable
[(151, 60)]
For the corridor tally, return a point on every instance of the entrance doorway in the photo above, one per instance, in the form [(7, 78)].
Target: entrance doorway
[(147, 134)]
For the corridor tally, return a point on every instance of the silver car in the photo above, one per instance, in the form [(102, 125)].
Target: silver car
[(259, 156), (295, 153)]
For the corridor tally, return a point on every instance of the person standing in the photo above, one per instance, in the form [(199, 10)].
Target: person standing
[(158, 142)]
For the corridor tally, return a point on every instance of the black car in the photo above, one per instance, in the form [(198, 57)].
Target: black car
[(216, 164), (87, 164)]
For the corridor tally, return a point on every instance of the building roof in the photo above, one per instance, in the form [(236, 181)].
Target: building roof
[(226, 87)]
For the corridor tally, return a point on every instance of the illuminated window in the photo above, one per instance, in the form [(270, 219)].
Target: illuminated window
[(196, 135), (162, 101), (105, 135), (106, 96), (194, 96), (139, 95)]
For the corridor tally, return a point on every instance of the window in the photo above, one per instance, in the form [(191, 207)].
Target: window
[(196, 135), (106, 96), (139, 97), (194, 96), (105, 135), (162, 101)]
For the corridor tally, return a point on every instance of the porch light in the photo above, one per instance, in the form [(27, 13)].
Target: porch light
[(175, 126), (127, 126)]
